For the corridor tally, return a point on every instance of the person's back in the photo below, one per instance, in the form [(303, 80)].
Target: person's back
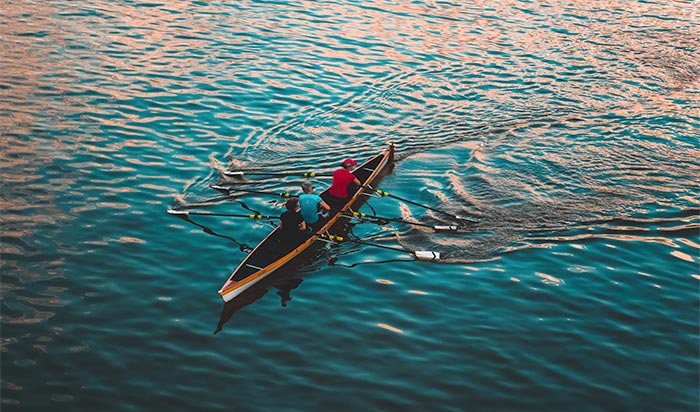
[(292, 225), (309, 203), (341, 181)]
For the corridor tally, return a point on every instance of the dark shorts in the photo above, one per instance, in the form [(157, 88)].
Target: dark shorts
[(336, 203), (319, 223)]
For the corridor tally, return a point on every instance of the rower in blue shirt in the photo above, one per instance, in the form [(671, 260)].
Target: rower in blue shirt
[(309, 204)]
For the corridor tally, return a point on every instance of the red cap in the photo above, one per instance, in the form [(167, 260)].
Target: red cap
[(348, 163)]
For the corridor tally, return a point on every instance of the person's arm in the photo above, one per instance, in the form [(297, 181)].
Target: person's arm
[(325, 205), (357, 181)]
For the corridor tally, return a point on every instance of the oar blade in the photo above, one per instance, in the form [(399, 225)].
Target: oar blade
[(426, 255), (450, 228), (178, 212)]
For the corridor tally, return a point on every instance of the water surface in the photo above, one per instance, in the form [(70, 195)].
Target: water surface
[(568, 131)]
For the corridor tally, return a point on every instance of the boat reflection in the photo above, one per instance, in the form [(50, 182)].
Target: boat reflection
[(283, 286)]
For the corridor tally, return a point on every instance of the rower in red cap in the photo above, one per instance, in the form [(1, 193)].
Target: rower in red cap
[(341, 180)]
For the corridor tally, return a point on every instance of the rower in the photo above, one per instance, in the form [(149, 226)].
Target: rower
[(310, 204), (292, 225), (338, 192)]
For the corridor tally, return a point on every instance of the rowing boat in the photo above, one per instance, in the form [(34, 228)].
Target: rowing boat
[(273, 252)]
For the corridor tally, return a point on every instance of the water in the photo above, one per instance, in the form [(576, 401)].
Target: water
[(569, 131)]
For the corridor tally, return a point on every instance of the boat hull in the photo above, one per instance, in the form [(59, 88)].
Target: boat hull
[(272, 253)]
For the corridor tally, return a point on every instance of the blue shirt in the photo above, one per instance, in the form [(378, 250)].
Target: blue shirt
[(308, 202)]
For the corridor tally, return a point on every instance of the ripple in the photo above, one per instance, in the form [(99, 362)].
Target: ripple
[(683, 256), (549, 279), (390, 328)]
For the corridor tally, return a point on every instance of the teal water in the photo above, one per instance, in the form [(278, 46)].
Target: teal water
[(568, 130)]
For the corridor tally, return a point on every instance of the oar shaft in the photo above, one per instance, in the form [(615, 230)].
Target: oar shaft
[(242, 173), (242, 246), (378, 219), (419, 254), (188, 213), (424, 206), (387, 194), (229, 189), (340, 239)]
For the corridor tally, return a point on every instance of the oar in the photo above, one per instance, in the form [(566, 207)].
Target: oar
[(241, 173), (418, 254), (379, 220), (387, 194), (206, 203), (254, 216), (242, 246), (229, 189), (246, 207)]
